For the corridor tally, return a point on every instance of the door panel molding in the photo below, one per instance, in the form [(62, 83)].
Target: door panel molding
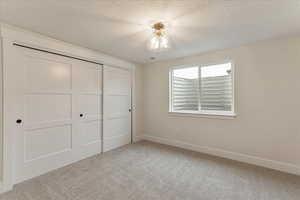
[(53, 132)]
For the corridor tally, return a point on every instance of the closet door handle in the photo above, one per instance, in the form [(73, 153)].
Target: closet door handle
[(19, 121)]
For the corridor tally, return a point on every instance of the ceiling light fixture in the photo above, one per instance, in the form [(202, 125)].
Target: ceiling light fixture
[(159, 41)]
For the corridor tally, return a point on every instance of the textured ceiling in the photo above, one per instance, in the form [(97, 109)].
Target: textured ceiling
[(121, 27)]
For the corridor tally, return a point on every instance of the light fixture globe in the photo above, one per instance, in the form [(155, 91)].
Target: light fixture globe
[(159, 41)]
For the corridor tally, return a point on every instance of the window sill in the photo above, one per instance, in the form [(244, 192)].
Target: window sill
[(212, 115)]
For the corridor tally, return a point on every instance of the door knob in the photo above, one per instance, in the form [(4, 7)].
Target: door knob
[(81, 115), (19, 121)]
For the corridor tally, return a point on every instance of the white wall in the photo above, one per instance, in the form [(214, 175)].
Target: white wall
[(267, 126), (1, 103)]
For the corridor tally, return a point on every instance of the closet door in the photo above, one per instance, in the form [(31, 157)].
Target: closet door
[(116, 108), (46, 94), (87, 82)]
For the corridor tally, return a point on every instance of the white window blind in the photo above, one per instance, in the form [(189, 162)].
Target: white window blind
[(199, 89)]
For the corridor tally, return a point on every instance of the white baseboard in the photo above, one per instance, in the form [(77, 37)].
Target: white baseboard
[(137, 138), (271, 164)]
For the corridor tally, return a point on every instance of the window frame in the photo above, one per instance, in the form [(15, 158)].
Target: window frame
[(202, 113)]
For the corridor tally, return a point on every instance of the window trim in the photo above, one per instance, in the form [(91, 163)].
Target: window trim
[(203, 113)]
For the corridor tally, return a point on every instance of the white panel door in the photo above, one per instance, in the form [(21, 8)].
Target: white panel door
[(116, 108), (48, 93), (87, 83)]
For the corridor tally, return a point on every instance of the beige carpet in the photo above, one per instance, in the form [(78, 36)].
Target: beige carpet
[(149, 171)]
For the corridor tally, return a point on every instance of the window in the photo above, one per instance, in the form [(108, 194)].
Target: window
[(203, 89)]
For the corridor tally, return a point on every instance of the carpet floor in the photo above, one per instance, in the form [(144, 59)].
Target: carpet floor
[(149, 171)]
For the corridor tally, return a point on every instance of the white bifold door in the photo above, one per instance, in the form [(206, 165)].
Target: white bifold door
[(116, 107), (53, 110)]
